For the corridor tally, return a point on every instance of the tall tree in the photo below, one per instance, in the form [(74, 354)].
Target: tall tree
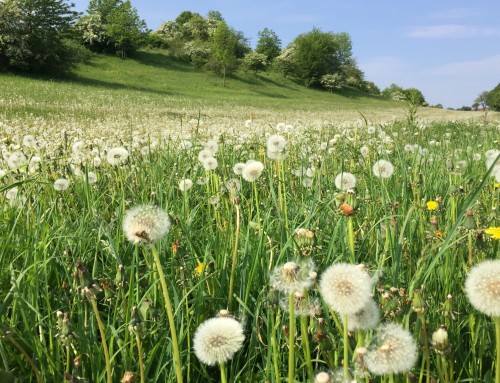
[(34, 34), (112, 26), (269, 44), (316, 54), (223, 44), (125, 29)]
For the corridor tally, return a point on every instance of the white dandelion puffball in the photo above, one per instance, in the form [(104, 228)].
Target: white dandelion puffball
[(346, 288), (276, 143), (91, 178), (117, 156), (252, 171), (61, 184), (482, 287), (366, 318), (185, 185), (217, 340), (204, 154), (210, 163), (238, 168), (292, 277), (394, 353), (345, 181), (383, 169), (146, 223)]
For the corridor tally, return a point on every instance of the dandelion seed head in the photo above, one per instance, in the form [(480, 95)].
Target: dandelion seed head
[(366, 318), (185, 185), (117, 156), (383, 169), (145, 224), (345, 181), (482, 287), (61, 184), (252, 171), (210, 164), (217, 340), (395, 351), (238, 168), (276, 143), (292, 277), (346, 288), (204, 154)]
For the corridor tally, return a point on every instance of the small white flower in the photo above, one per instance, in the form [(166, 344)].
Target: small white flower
[(61, 184)]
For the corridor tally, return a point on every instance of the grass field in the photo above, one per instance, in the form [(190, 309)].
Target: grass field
[(249, 215)]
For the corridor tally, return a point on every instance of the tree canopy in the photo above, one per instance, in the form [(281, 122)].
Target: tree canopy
[(35, 35)]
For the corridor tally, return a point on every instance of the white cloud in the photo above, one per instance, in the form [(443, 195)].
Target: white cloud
[(455, 13), (472, 68), (452, 31)]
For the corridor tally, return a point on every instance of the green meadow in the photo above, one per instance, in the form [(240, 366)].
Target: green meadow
[(259, 188)]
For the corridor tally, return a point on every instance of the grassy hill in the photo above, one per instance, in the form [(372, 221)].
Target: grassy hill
[(154, 87)]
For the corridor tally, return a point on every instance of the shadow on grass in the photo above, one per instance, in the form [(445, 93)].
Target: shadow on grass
[(161, 60)]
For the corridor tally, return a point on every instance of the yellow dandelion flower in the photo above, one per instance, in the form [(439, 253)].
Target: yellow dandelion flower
[(199, 269), (432, 205), (439, 234), (496, 185), (494, 232)]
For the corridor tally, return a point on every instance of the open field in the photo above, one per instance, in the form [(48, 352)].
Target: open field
[(249, 210)]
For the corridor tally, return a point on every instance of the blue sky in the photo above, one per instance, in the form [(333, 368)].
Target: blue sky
[(449, 49)]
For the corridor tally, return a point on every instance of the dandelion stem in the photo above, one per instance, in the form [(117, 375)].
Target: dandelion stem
[(346, 350), (305, 341), (103, 340), (497, 364), (274, 346), (235, 253), (291, 340), (223, 377), (139, 351), (170, 315), (350, 234)]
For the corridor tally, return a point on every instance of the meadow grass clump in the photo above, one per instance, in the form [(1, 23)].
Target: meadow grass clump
[(168, 240)]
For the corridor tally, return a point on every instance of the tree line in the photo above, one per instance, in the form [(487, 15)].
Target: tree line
[(49, 36)]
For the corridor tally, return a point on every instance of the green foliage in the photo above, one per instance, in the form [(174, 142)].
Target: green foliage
[(493, 98), (482, 100), (223, 45), (415, 96), (318, 53), (255, 62), (113, 26), (269, 44), (332, 81), (125, 29), (34, 35), (394, 92)]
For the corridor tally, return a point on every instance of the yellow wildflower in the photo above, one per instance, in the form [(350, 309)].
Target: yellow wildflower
[(199, 269), (432, 205), (494, 232), (496, 185), (438, 234)]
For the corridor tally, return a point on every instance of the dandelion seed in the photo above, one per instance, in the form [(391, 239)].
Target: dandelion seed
[(345, 181), (211, 146), (292, 277), (217, 340), (252, 171), (185, 185), (276, 143), (204, 154), (61, 184), (482, 286), (145, 224), (366, 318), (395, 351), (383, 169), (238, 168), (91, 178), (346, 288), (210, 164), (117, 156), (16, 160)]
